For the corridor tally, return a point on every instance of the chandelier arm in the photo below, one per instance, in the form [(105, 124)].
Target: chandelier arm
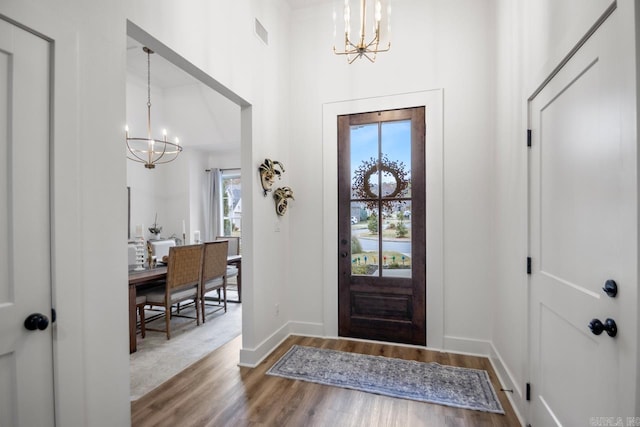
[(164, 150), (136, 159), (369, 58), (135, 156), (167, 160)]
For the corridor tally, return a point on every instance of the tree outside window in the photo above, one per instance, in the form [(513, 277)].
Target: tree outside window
[(232, 204)]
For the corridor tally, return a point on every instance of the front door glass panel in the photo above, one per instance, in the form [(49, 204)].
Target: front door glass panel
[(381, 199)]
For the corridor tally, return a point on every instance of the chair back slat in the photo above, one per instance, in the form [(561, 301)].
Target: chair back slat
[(234, 244), (215, 260), (184, 266)]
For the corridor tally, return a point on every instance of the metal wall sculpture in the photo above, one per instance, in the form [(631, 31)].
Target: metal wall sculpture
[(281, 197), (269, 170)]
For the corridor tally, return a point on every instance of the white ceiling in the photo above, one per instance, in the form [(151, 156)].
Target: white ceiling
[(215, 126), (297, 4)]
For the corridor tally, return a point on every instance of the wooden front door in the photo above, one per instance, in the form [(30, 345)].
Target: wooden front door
[(381, 226), (26, 356)]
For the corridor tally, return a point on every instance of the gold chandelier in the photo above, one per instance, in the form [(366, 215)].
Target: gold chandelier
[(361, 47), (148, 150)]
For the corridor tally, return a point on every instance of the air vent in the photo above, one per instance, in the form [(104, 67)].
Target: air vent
[(262, 32)]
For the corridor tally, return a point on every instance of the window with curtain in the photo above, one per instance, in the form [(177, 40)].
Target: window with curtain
[(231, 203)]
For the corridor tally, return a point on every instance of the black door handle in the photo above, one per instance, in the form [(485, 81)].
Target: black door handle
[(609, 325), (610, 288), (36, 321), (344, 254)]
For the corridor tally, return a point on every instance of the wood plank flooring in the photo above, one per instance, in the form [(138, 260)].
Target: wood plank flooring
[(216, 392)]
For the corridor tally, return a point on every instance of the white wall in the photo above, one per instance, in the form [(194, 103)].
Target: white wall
[(436, 44), (509, 323)]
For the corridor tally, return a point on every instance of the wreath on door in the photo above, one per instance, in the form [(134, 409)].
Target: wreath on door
[(362, 186)]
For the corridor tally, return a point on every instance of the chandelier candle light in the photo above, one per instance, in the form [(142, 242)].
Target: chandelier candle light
[(148, 150), (361, 48)]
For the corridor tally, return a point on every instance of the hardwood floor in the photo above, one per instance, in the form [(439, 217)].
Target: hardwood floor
[(216, 392)]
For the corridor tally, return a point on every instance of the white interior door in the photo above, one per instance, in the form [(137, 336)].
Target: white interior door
[(26, 357), (581, 235)]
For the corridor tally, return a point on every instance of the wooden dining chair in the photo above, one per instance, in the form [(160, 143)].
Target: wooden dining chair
[(214, 274), (184, 275), (141, 301), (233, 249), (234, 244)]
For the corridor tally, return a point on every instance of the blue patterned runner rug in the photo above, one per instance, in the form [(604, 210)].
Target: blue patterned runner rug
[(407, 379)]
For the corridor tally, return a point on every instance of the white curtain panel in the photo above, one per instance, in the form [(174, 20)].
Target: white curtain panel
[(213, 206)]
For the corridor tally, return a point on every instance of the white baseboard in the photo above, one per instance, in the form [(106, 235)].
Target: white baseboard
[(251, 357), (472, 347), (508, 382), (307, 329)]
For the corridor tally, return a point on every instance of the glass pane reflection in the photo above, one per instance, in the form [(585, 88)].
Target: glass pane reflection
[(365, 256), (396, 244), (364, 153), (396, 158)]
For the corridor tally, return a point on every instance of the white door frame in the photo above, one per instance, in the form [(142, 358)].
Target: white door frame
[(66, 276), (433, 101)]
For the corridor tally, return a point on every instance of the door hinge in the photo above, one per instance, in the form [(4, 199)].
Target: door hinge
[(528, 392), (529, 138), (528, 265)]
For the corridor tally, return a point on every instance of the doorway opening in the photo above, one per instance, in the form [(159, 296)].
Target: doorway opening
[(227, 108)]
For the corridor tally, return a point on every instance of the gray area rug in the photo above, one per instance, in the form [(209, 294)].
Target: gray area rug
[(407, 379), (159, 359)]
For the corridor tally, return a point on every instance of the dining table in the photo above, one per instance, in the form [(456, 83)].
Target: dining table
[(137, 279), (149, 275)]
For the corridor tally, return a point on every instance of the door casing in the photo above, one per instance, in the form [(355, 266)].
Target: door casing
[(433, 102)]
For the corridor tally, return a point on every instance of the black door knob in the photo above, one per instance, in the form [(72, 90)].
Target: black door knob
[(609, 325), (36, 321), (344, 254), (596, 326), (610, 288)]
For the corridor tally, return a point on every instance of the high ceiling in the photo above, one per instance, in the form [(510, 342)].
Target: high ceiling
[(297, 4), (215, 125), (217, 128)]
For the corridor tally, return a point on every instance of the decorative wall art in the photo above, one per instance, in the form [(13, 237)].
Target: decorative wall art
[(269, 170), (281, 197)]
